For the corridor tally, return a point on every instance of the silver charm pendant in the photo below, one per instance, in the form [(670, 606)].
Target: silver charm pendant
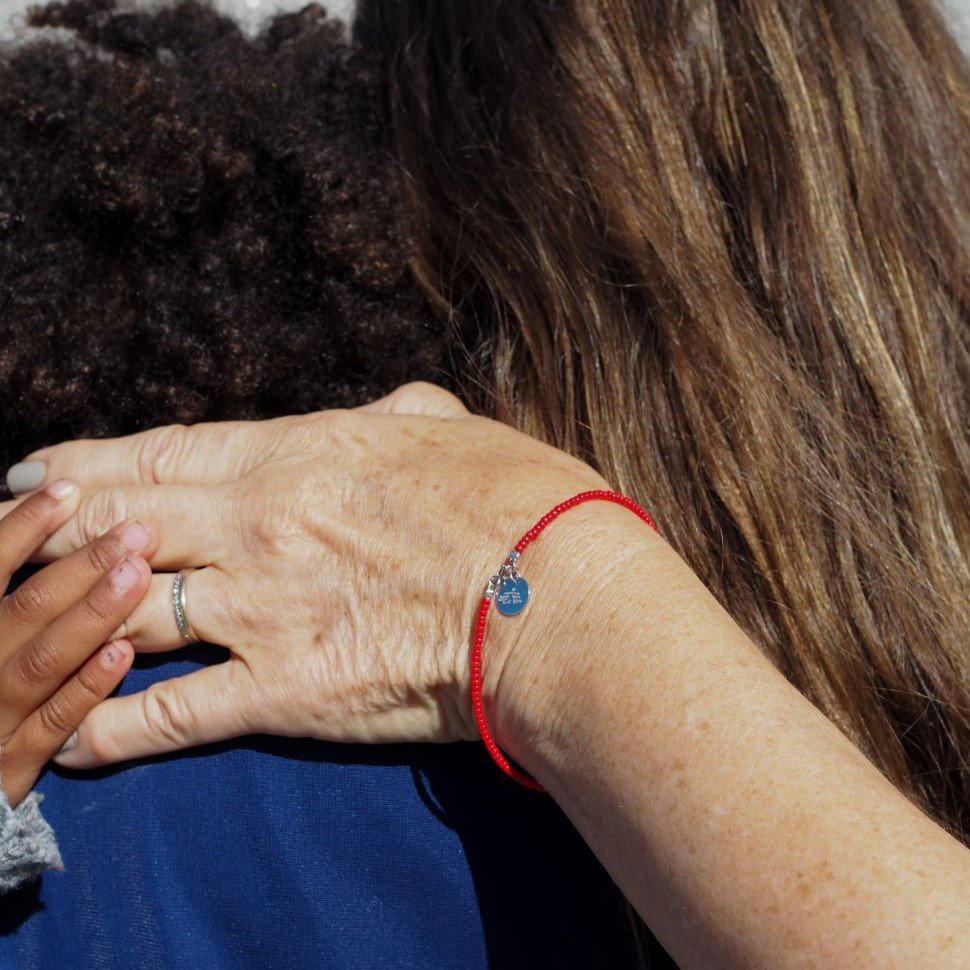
[(512, 596), (509, 589)]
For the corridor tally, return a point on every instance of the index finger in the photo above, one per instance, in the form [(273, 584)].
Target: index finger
[(199, 454), (51, 591), (33, 521), (193, 523)]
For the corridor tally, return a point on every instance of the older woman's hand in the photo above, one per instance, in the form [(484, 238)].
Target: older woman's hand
[(343, 554)]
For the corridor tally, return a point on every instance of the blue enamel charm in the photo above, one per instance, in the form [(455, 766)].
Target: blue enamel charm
[(512, 596)]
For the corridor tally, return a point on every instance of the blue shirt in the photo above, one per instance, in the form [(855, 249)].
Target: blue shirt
[(271, 852)]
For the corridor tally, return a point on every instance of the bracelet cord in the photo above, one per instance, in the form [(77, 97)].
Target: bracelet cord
[(478, 707)]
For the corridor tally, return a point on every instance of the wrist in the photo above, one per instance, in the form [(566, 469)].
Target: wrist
[(587, 574)]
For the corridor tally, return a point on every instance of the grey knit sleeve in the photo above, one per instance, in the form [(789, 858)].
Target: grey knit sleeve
[(27, 842)]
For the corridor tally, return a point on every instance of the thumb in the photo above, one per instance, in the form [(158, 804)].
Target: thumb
[(211, 704), (418, 397)]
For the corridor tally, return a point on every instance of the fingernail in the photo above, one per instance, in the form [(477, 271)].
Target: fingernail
[(62, 489), (71, 754), (25, 476), (71, 742), (113, 652), (135, 537), (124, 575)]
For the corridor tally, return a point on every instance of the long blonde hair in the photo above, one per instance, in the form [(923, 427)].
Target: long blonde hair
[(720, 250)]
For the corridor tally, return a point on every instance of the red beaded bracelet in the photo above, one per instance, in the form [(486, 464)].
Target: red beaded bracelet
[(511, 593)]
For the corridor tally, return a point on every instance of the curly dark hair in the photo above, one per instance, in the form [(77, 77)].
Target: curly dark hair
[(199, 224), (196, 224)]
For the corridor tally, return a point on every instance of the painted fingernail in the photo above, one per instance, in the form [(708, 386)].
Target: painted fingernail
[(71, 742), (62, 489), (124, 575), (25, 476), (135, 537)]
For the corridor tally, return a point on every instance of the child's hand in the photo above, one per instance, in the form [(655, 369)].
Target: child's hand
[(51, 670)]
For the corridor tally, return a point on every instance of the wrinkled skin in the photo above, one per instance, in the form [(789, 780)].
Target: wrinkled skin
[(344, 556)]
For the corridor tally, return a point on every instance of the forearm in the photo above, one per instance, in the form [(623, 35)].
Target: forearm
[(742, 824)]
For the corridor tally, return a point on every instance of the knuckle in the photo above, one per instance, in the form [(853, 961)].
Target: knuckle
[(98, 512), (167, 714), (37, 665), (30, 602), (103, 553), (55, 717), (101, 742), (425, 389), (88, 685), (305, 432), (97, 605), (424, 392), (34, 511), (159, 451), (335, 421), (269, 529)]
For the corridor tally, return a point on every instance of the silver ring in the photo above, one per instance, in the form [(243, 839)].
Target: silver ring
[(178, 605)]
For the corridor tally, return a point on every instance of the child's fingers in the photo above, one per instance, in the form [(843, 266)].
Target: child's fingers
[(34, 673), (32, 521), (45, 731), (48, 593)]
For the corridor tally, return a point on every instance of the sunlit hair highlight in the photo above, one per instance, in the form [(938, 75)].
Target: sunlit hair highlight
[(720, 251)]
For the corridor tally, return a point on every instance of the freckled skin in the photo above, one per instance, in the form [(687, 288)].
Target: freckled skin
[(353, 548), (742, 824), (745, 826)]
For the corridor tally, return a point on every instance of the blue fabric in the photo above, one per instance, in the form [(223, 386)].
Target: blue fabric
[(278, 853)]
